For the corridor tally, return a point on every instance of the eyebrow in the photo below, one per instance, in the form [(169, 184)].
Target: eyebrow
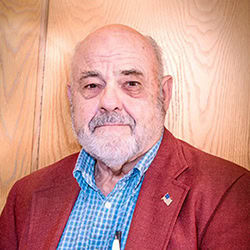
[(134, 72), (91, 73), (86, 74)]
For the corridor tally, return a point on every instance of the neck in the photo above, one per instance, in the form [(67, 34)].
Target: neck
[(106, 177)]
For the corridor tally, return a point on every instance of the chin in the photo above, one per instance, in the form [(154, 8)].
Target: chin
[(113, 151)]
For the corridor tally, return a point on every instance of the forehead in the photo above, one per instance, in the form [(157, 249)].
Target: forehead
[(115, 51)]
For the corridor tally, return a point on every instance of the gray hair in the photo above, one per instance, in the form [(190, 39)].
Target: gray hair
[(158, 54)]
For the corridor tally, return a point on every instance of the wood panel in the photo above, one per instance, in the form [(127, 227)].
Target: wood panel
[(206, 47), (19, 64), (210, 52)]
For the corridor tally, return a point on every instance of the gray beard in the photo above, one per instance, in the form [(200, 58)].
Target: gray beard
[(111, 150)]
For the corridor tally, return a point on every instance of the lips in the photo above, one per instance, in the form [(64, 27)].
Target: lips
[(112, 125)]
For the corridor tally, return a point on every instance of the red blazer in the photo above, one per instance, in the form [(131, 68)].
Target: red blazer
[(210, 206)]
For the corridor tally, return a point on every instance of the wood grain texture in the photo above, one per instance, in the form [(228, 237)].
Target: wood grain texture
[(19, 36), (206, 47), (213, 91), (39, 84)]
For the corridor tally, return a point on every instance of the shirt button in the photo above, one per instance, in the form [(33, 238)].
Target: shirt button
[(107, 205)]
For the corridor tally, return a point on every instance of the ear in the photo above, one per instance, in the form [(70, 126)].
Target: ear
[(69, 91), (167, 83)]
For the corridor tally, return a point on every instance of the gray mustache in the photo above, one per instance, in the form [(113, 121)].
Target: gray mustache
[(111, 118)]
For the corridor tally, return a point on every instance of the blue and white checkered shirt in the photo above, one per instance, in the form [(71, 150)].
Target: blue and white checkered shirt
[(95, 218)]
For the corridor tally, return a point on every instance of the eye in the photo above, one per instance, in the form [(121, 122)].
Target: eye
[(91, 86), (133, 88), (132, 84), (91, 90)]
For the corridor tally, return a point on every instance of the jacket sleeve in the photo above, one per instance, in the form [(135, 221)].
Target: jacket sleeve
[(8, 235), (229, 225)]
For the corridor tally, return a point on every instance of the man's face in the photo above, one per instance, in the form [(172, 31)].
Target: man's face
[(116, 111)]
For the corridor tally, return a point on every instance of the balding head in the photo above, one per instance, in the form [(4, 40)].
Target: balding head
[(115, 34)]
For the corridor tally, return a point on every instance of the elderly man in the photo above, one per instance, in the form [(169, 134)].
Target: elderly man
[(132, 181)]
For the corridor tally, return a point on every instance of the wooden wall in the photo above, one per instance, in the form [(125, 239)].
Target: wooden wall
[(206, 47)]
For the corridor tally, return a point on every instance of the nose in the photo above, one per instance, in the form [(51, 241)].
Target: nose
[(110, 99)]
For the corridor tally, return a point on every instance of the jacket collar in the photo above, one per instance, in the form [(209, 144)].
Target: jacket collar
[(153, 219)]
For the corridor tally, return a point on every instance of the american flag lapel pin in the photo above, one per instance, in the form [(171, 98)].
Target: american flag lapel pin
[(167, 199)]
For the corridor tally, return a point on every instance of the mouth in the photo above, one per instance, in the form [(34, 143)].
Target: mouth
[(112, 125)]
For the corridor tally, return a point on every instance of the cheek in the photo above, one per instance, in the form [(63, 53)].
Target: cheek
[(146, 111), (141, 110), (84, 111)]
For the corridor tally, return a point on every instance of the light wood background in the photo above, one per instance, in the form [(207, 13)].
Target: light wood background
[(206, 47)]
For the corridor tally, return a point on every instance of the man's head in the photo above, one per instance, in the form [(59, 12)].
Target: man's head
[(118, 94)]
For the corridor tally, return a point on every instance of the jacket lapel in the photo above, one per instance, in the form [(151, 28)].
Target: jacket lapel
[(50, 211), (153, 220)]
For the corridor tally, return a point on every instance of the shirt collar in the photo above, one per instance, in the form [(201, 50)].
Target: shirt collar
[(147, 159)]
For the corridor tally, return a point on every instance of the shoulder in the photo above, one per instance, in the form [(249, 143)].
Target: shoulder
[(21, 200), (210, 169), (218, 193), (52, 175), (219, 196), (214, 184), (205, 175)]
